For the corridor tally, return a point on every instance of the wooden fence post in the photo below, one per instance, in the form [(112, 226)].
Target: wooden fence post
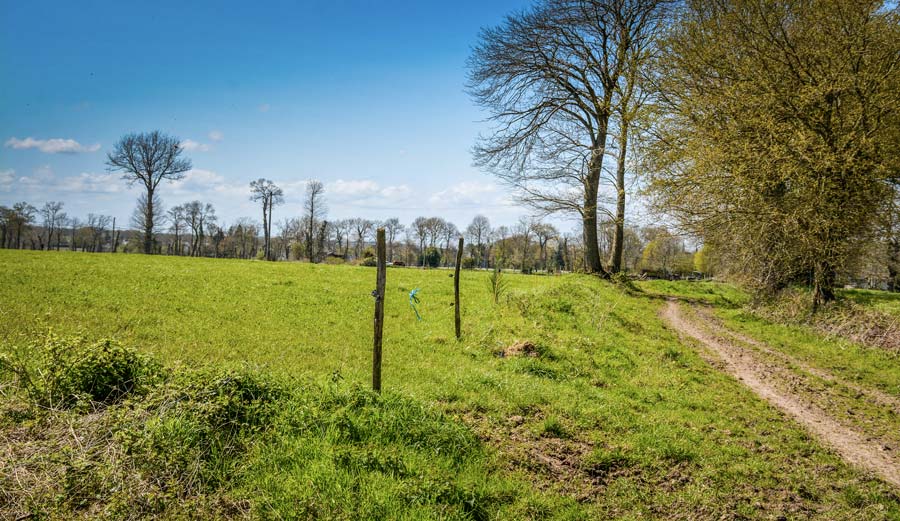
[(459, 254), (379, 309)]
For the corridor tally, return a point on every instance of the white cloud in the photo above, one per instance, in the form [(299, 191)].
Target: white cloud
[(51, 146), (193, 146), (89, 182), (365, 188), (465, 192), (43, 176), (264, 107), (216, 135), (6, 179)]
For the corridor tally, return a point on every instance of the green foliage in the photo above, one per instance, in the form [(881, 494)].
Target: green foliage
[(761, 151), (74, 372), (498, 285), (369, 262), (469, 263), (431, 258), (187, 431)]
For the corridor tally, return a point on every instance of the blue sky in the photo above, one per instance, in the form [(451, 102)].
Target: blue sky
[(366, 96)]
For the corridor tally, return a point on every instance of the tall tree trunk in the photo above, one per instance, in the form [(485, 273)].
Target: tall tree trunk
[(148, 224), (823, 284), (619, 237), (269, 233), (589, 217), (894, 265)]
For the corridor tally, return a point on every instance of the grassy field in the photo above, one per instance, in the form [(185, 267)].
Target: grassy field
[(613, 416)]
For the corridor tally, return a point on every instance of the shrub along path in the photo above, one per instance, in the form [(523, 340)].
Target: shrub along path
[(790, 385)]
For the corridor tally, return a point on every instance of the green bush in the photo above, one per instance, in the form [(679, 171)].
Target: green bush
[(369, 261), (431, 257), (468, 263), (75, 373), (188, 431)]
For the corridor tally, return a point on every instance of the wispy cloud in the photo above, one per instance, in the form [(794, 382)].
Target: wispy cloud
[(51, 146), (6, 179), (466, 192), (194, 146), (88, 182), (264, 107), (361, 188), (216, 135)]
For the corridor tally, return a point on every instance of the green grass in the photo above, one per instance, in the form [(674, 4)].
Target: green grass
[(707, 292), (880, 300), (614, 417)]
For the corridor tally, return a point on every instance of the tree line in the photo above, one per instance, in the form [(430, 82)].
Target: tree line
[(193, 229)]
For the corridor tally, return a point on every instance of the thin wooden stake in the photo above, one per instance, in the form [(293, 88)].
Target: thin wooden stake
[(459, 253), (379, 309)]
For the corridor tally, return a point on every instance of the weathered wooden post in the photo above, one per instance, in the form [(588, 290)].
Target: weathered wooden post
[(379, 309), (459, 254)]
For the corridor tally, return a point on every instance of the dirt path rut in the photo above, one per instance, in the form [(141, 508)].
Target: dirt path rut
[(852, 445)]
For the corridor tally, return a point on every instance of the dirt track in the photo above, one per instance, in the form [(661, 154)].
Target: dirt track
[(853, 446)]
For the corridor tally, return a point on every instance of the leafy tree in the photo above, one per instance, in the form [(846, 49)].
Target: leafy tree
[(780, 133)]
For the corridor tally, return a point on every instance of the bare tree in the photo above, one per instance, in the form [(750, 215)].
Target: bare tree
[(362, 227), (342, 230), (314, 206), (479, 232), (149, 159), (176, 216), (266, 192), (393, 228), (549, 76), (419, 230), (97, 224), (198, 215), (544, 233), (51, 214), (449, 232)]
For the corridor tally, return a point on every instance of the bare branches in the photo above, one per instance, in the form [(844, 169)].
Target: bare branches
[(148, 158)]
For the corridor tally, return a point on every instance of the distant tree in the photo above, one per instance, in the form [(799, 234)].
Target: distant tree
[(544, 233), (198, 215), (393, 229), (177, 216), (73, 223), (342, 230), (51, 212), (266, 192), (362, 228), (419, 229), (314, 207), (524, 230), (289, 230), (148, 159), (449, 232), (479, 232), (19, 220), (97, 224)]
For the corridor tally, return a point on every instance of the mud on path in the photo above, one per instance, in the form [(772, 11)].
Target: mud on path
[(853, 445)]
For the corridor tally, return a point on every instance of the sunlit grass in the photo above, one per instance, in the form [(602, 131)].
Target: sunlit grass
[(614, 416)]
